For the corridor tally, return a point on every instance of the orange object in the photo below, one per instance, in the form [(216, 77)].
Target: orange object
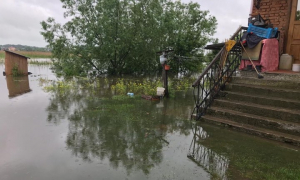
[(167, 67)]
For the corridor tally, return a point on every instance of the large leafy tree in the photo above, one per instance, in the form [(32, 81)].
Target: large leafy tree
[(122, 36)]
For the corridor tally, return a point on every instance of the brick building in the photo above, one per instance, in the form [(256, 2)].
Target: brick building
[(284, 14)]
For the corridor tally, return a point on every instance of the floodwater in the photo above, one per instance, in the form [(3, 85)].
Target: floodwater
[(80, 134)]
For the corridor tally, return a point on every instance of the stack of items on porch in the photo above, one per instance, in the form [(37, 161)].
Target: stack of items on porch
[(262, 46)]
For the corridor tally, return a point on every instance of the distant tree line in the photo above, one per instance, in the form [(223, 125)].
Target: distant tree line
[(24, 47), (123, 36)]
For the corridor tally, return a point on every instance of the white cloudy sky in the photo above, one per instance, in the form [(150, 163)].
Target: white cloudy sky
[(20, 19)]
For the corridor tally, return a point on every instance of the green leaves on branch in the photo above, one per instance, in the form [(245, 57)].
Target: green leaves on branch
[(123, 36)]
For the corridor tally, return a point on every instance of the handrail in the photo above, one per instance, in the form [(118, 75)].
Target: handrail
[(217, 56), (216, 75)]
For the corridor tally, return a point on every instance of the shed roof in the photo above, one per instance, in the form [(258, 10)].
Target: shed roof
[(17, 54)]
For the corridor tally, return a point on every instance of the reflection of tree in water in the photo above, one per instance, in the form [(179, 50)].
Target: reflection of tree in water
[(209, 160), (130, 132)]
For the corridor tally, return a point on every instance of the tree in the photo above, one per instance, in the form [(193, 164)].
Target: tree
[(122, 36)]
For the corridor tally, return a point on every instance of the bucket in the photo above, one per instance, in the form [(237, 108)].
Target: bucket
[(286, 62), (167, 67), (160, 91), (296, 67)]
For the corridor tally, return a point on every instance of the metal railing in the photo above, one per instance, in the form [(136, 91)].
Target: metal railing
[(216, 75)]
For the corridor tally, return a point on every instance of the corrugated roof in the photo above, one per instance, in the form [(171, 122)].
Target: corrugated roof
[(17, 54)]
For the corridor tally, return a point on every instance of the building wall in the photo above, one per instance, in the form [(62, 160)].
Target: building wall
[(12, 60), (278, 11)]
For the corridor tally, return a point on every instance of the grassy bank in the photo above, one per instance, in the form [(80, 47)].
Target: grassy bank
[(30, 54)]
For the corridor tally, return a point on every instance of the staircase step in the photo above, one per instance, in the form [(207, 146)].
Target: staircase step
[(258, 121), (259, 110), (286, 83), (263, 100), (278, 136), (264, 91)]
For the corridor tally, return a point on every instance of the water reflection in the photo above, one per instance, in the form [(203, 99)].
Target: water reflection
[(209, 160), (17, 85), (129, 132)]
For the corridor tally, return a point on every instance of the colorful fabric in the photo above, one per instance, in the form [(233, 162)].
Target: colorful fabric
[(269, 59)]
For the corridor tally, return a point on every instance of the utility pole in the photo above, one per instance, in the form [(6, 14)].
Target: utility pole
[(165, 68)]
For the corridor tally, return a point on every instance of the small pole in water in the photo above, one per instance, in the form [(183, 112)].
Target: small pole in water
[(163, 62), (165, 70)]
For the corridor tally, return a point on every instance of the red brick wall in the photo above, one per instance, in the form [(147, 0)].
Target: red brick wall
[(278, 11)]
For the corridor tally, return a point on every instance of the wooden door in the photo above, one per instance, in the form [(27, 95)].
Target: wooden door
[(293, 43)]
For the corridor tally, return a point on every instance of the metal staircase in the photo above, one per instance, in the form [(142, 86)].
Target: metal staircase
[(216, 75), (266, 107)]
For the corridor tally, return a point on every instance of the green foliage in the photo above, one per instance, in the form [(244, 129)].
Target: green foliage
[(119, 87), (15, 71), (123, 36), (61, 86), (182, 84), (147, 87)]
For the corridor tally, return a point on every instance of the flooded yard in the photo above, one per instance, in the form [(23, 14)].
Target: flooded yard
[(73, 132)]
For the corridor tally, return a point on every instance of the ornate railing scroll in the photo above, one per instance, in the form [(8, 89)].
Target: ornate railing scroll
[(206, 158), (216, 74)]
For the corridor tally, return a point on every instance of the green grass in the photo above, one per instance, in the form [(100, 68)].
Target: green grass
[(30, 54)]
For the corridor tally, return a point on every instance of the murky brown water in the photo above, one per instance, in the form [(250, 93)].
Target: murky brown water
[(82, 134)]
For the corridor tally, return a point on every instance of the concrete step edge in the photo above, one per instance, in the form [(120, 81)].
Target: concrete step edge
[(260, 96), (297, 112), (243, 80), (283, 126), (272, 88), (292, 139)]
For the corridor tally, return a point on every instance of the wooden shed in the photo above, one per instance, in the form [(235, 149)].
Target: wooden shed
[(15, 63)]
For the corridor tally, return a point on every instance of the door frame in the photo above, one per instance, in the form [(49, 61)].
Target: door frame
[(292, 20)]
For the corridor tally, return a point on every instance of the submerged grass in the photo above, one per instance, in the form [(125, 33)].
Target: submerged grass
[(252, 157), (41, 63), (118, 87), (150, 87), (34, 62)]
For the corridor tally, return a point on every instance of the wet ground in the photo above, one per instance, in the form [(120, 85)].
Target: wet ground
[(78, 133)]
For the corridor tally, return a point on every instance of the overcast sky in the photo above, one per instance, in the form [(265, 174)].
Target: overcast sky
[(20, 19)]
